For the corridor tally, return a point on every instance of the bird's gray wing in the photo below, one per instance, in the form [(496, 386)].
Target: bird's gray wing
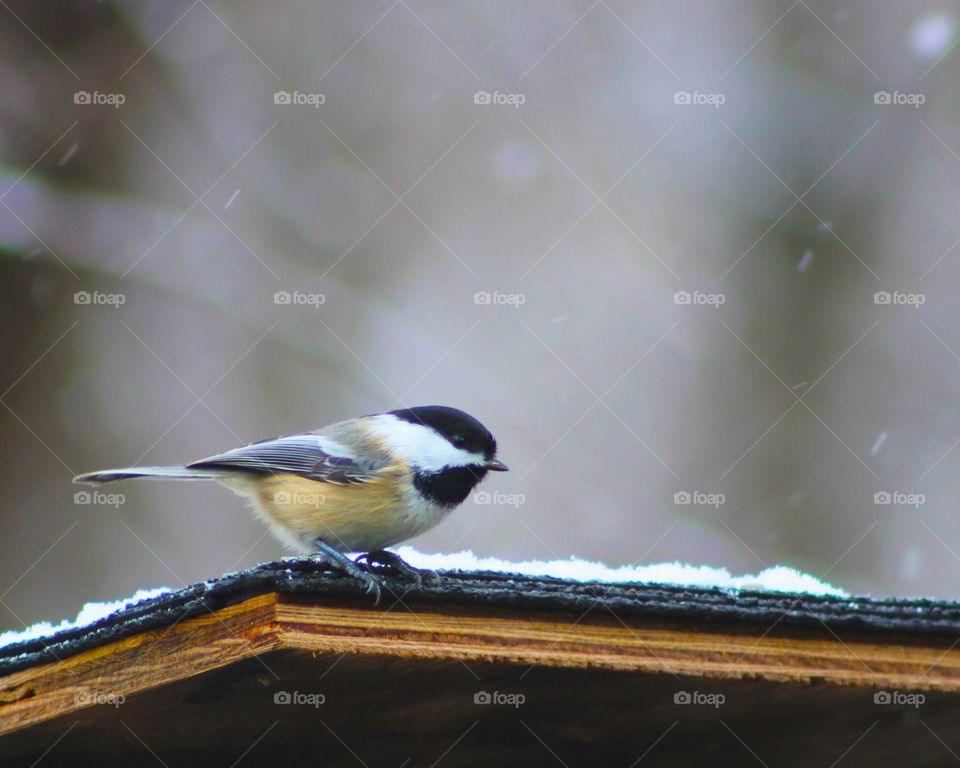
[(310, 455)]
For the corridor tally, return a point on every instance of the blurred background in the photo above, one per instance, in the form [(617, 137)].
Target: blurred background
[(694, 264)]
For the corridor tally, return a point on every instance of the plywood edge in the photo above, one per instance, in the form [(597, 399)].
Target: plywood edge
[(635, 645), (104, 676), (272, 622)]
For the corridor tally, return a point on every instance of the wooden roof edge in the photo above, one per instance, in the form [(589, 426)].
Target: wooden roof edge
[(690, 605), (253, 628)]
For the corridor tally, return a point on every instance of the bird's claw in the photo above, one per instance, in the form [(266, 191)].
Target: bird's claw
[(388, 562), (329, 556), (373, 585)]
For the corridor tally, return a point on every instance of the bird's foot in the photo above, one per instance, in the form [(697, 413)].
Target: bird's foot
[(327, 554), (389, 563)]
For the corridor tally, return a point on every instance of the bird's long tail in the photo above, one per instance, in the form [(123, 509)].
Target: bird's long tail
[(169, 473)]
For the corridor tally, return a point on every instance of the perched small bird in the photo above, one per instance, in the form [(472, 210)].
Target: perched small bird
[(356, 486)]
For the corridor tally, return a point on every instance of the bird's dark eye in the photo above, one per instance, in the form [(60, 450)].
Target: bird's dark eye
[(458, 440)]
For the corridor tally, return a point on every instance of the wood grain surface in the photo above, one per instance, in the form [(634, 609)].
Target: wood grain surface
[(272, 622)]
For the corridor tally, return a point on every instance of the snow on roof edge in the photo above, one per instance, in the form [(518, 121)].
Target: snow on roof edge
[(779, 578), (90, 613)]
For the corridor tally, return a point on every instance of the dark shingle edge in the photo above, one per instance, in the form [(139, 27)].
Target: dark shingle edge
[(692, 606)]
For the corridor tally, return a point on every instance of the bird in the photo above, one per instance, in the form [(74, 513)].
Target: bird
[(359, 485)]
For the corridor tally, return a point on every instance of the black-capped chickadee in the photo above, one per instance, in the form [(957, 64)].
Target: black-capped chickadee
[(356, 486)]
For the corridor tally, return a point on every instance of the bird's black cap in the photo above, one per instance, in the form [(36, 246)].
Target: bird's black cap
[(459, 428)]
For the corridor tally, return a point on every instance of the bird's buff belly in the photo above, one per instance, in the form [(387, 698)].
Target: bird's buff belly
[(360, 517)]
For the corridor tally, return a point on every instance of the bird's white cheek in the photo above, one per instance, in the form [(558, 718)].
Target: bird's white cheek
[(420, 446)]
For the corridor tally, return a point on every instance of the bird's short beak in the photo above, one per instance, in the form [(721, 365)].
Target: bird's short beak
[(495, 465)]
